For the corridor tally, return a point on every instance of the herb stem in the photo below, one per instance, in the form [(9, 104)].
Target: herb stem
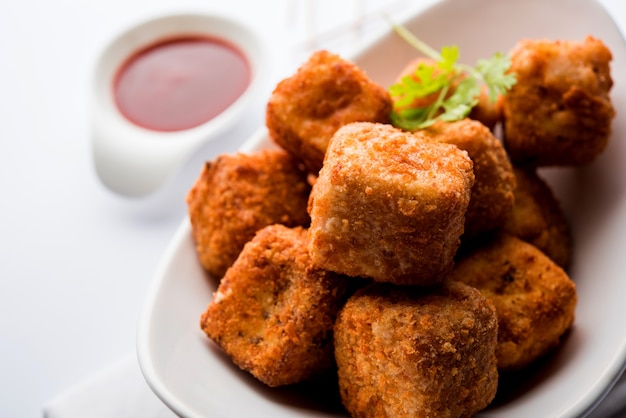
[(438, 103), (472, 71), (414, 41)]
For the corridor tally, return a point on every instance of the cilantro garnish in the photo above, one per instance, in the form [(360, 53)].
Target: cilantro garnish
[(445, 75)]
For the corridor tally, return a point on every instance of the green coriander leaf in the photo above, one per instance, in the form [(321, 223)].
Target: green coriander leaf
[(449, 57), (411, 118), (461, 102), (448, 89), (494, 74), (424, 82)]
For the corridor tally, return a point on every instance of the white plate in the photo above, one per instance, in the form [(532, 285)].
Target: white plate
[(195, 379)]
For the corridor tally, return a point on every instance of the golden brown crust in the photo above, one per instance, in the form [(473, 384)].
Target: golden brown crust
[(559, 112), (238, 194), (273, 312), (486, 111), (537, 217), (326, 92), (411, 352), (534, 298), (389, 205), (492, 193)]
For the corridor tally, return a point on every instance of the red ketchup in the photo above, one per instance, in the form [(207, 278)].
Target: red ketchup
[(180, 83)]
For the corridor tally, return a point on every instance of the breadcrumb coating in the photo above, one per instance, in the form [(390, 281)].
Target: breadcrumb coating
[(559, 112), (273, 312), (537, 217), (326, 92), (415, 352), (492, 193), (389, 205), (535, 299), (238, 194)]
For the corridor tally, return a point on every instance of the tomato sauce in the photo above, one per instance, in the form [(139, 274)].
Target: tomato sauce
[(180, 83)]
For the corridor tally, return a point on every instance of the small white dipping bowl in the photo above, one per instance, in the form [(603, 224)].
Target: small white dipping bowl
[(135, 161)]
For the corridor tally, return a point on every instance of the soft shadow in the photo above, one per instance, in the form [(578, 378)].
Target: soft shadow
[(513, 385), (320, 396)]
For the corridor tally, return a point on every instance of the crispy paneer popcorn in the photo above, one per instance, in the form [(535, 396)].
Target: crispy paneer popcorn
[(537, 217), (416, 352), (559, 112), (350, 202), (273, 312), (326, 92), (492, 193), (389, 205), (534, 298), (238, 194)]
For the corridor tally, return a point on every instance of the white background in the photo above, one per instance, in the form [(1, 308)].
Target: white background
[(76, 259)]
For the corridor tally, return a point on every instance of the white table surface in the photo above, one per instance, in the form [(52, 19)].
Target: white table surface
[(76, 259)]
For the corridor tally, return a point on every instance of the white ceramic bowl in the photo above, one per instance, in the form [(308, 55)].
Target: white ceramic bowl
[(197, 380), (135, 161)]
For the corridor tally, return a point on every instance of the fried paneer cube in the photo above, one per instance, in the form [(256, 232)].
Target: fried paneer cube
[(389, 205), (537, 217), (488, 112), (273, 312), (416, 352), (559, 112), (534, 298), (492, 193), (326, 92), (238, 194)]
